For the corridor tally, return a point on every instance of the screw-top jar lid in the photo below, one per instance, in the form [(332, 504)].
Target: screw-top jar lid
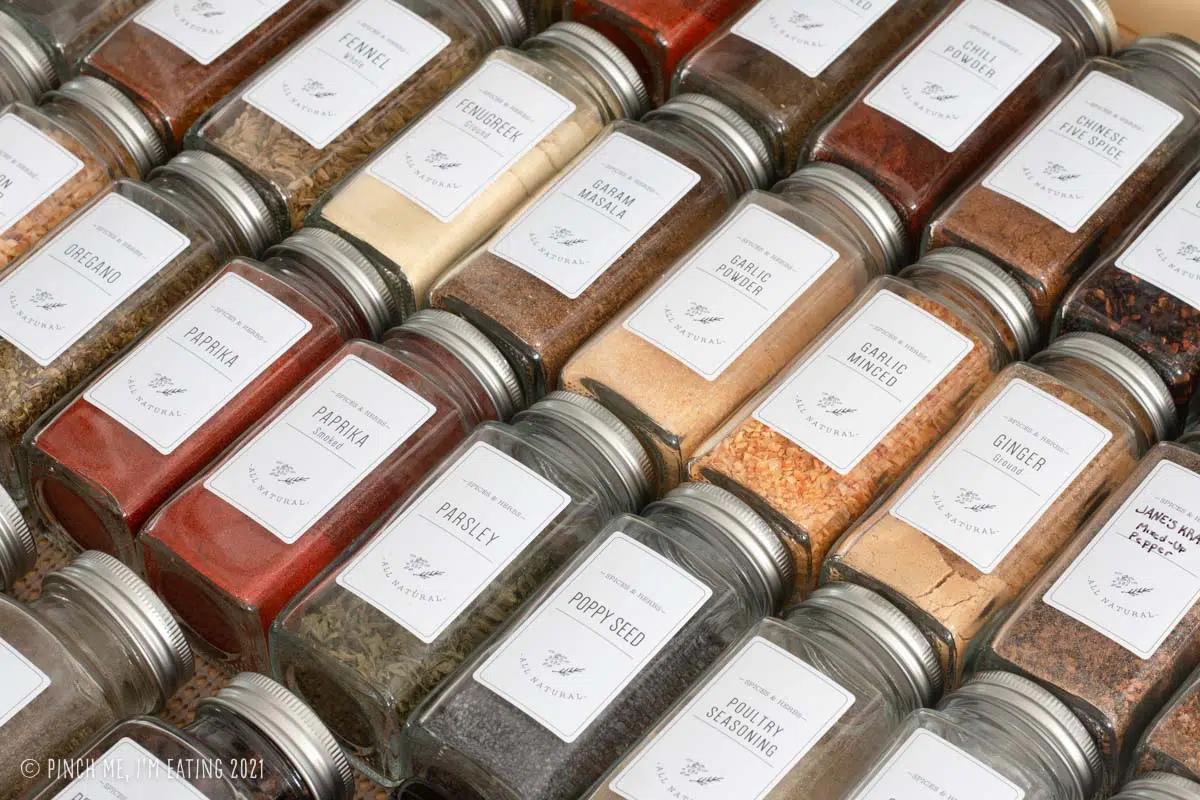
[(29, 61), (350, 269), (122, 595), (1159, 786), (1174, 46), (120, 115), (509, 17), (293, 728), (739, 137), (1102, 23), (18, 550), (604, 57), (476, 352)]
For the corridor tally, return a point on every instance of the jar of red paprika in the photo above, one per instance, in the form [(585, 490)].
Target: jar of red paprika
[(98, 468), (239, 541)]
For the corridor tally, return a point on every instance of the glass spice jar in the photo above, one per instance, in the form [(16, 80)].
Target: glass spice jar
[(1159, 786), (590, 662), (129, 438), (440, 188), (798, 709), (1172, 742), (737, 308), (814, 449), (253, 739), (958, 93), (1084, 170), (96, 647), (242, 538), (563, 267), (1003, 493), (366, 642), (303, 123)]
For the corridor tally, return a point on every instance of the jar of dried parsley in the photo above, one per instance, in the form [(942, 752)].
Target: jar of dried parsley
[(590, 663), (1003, 493), (1172, 742), (449, 181), (820, 444), (242, 538), (737, 308), (563, 267), (1159, 786), (485, 530), (1125, 127), (334, 98), (958, 93)]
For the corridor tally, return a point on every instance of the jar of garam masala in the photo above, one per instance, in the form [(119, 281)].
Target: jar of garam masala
[(1172, 742), (589, 664), (798, 709), (1006, 489), (232, 547), (1159, 786), (252, 739), (487, 527), (814, 449), (334, 98), (958, 93), (451, 179), (643, 195), (1084, 170), (96, 647), (133, 435), (737, 308)]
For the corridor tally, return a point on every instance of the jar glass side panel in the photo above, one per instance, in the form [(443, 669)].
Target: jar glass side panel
[(1170, 744), (71, 27)]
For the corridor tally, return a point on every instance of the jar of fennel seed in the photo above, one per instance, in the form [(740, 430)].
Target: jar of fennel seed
[(1003, 493), (365, 643), (1159, 786), (1172, 742), (589, 663), (335, 97), (815, 448)]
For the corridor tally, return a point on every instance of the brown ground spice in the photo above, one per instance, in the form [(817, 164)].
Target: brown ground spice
[(1172, 744)]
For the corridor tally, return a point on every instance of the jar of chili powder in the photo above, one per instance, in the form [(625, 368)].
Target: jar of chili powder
[(246, 535)]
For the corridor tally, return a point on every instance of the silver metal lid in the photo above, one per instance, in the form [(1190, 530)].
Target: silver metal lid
[(604, 57), (476, 352), (31, 65), (887, 625), (604, 431), (746, 529), (509, 17), (1102, 22), (1159, 786), (990, 280), (1177, 47), (739, 137), (120, 115), (350, 269), (1138, 377), (122, 595), (1046, 713), (293, 728), (18, 550)]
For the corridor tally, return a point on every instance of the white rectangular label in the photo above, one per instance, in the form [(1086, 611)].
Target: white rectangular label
[(1089, 144), (206, 29), (585, 643), (927, 767), (320, 447), (963, 70), (1137, 579), (77, 278), (1167, 253), (841, 401), (810, 34), (128, 771), (996, 479), (32, 167), (23, 682), (426, 566), (748, 727), (722, 297), (323, 85), (591, 216), (186, 370)]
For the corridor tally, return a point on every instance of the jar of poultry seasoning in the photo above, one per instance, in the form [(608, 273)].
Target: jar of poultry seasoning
[(958, 93), (589, 664), (231, 548), (799, 708), (96, 647), (132, 436), (1081, 173), (813, 450), (253, 739), (112, 271), (447, 182), (618, 219), (334, 98), (1172, 742), (1159, 786), (737, 308), (485, 530), (983, 513)]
